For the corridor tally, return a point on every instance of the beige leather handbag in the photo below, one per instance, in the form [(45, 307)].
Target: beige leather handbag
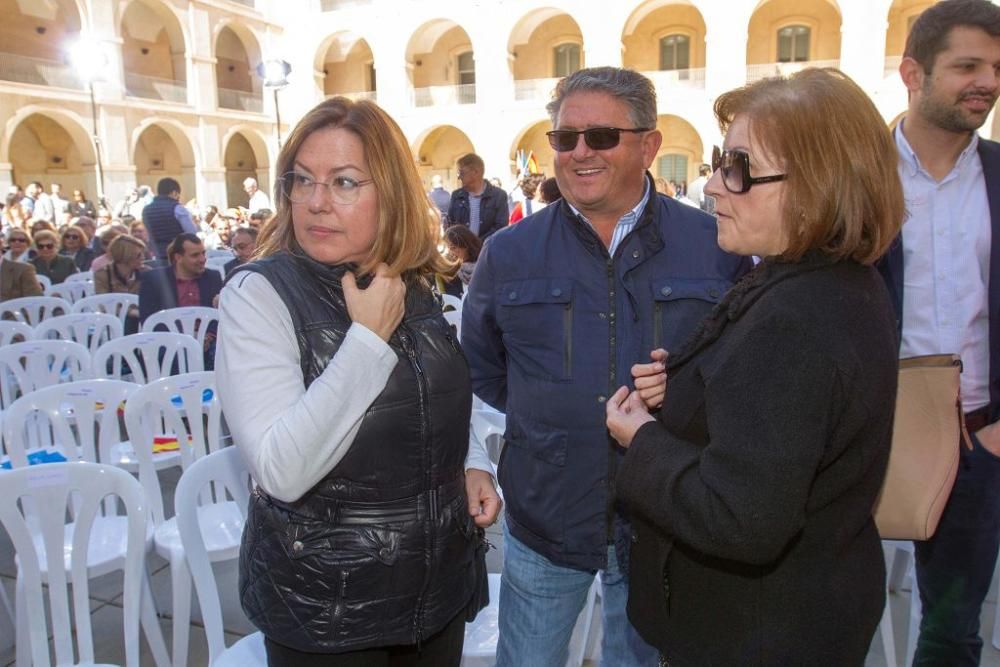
[(923, 462)]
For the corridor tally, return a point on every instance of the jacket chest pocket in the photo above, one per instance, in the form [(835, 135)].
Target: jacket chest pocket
[(679, 305), (536, 317)]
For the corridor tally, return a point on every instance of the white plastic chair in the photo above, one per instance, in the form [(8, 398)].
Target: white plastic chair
[(25, 367), (452, 301), (454, 318), (44, 282), (487, 427), (220, 253), (33, 309), (112, 303), (203, 544), (41, 536), (15, 332), (902, 567), (188, 407), (89, 329), (193, 321), (82, 276), (148, 356), (71, 291), (218, 263)]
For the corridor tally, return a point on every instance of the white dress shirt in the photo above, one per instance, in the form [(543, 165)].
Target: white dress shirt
[(292, 437), (625, 224), (946, 266)]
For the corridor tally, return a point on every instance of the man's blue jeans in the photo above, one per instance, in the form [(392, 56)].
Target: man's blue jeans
[(539, 605)]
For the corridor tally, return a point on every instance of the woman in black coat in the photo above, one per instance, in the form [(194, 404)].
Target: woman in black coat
[(752, 491)]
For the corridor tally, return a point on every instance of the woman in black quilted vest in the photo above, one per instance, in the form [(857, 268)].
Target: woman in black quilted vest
[(349, 397)]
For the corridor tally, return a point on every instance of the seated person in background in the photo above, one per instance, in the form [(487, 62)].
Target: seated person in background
[(184, 283), (14, 215), (48, 262), (138, 230), (19, 246), (106, 235), (76, 246), (17, 279), (244, 243), (464, 246), (39, 225), (122, 274), (548, 191)]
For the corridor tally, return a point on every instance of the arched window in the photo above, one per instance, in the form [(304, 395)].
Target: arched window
[(672, 167), (466, 68), (675, 52), (566, 59), (793, 44)]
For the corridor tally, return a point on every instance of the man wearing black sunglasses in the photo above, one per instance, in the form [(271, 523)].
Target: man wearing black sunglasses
[(565, 307)]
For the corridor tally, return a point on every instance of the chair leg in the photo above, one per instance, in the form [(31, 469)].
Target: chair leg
[(888, 635), (901, 561), (22, 647), (915, 613), (151, 624), (8, 623), (180, 578)]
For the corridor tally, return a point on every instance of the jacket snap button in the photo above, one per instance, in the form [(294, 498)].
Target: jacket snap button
[(512, 296), (635, 254), (714, 293), (635, 537), (666, 291), (602, 398), (296, 546), (556, 292), (384, 553)]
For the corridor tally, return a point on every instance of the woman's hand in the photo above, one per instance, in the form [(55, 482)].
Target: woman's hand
[(378, 308), (484, 501), (626, 413), (651, 379)]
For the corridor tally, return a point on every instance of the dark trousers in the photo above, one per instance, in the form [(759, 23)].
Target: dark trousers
[(955, 567), (443, 649)]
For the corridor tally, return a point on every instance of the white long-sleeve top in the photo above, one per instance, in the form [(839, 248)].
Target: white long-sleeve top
[(292, 437)]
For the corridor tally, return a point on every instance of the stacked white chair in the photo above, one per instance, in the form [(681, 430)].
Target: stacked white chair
[(191, 320), (44, 282), (82, 276), (33, 309), (41, 539), (188, 408), (113, 303), (15, 332), (71, 291), (225, 472), (25, 367), (454, 318), (148, 356), (450, 301), (89, 329), (219, 264)]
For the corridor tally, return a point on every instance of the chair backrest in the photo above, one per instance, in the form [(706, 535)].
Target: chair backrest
[(112, 303), (191, 320), (71, 291), (15, 332), (148, 356), (219, 263), (25, 367), (44, 282), (52, 486), (79, 419), (454, 318), (185, 407), (89, 329), (449, 300), (83, 276), (227, 473), (33, 309)]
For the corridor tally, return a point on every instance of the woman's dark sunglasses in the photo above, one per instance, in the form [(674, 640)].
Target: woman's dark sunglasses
[(597, 138), (735, 166), (45, 246)]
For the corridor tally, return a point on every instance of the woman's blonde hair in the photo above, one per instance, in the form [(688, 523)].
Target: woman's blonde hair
[(123, 248), (408, 230), (843, 195)]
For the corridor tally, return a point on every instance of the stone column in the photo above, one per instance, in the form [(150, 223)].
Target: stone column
[(725, 46), (864, 23)]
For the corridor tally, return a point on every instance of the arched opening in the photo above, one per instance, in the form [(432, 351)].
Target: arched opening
[(162, 150), (901, 16), (348, 67), (243, 160), (533, 143), (239, 87), (43, 149), (153, 52), (666, 41), (786, 35), (441, 64), (437, 153), (544, 45), (681, 151), (34, 37)]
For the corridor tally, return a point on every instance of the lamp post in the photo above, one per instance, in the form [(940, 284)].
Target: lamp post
[(275, 73), (90, 60)]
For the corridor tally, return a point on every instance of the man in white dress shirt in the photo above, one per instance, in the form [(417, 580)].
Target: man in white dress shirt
[(258, 198)]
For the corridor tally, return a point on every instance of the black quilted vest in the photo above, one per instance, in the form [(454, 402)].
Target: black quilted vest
[(382, 551), (158, 217)]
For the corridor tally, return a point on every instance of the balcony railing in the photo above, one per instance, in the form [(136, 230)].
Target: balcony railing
[(892, 65), (436, 96), (23, 69), (689, 78), (152, 88), (242, 100), (333, 5), (764, 70), (538, 90)]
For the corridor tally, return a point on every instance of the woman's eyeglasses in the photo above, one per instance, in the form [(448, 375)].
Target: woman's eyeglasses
[(45, 246), (299, 188), (72, 237), (17, 239), (597, 138), (735, 166)]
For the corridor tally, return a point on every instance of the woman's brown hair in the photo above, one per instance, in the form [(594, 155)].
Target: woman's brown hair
[(408, 230), (843, 195)]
